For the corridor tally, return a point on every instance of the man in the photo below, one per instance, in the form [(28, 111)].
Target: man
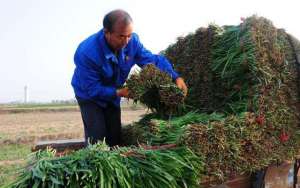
[(103, 62)]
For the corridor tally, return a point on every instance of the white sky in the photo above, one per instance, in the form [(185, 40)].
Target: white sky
[(38, 37)]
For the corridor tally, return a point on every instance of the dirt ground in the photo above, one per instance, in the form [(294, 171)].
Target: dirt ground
[(33, 126)]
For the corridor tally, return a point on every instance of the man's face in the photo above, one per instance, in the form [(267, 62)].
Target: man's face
[(120, 36)]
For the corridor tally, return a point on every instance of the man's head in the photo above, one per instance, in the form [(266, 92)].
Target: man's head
[(118, 28)]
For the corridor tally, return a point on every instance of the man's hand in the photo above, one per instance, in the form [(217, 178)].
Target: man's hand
[(181, 85), (124, 92)]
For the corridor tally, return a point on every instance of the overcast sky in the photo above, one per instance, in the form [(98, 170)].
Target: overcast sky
[(38, 37)]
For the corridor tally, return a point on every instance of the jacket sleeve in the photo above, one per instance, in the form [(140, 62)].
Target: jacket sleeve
[(144, 56), (90, 81)]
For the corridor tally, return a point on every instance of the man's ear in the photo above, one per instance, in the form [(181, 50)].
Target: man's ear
[(106, 33)]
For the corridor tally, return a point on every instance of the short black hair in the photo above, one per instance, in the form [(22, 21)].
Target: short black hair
[(116, 15)]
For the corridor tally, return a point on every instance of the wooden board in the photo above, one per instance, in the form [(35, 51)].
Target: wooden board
[(60, 145)]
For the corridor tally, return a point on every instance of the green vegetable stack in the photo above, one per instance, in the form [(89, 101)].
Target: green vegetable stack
[(248, 75), (98, 166)]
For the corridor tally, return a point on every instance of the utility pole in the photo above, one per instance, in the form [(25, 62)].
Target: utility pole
[(25, 94)]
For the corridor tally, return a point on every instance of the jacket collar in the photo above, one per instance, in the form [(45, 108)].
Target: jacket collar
[(108, 54)]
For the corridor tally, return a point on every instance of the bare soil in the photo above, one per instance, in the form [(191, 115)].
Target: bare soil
[(43, 125)]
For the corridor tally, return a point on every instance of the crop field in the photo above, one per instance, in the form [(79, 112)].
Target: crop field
[(22, 126)]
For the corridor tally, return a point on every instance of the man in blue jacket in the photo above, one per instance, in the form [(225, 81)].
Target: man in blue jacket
[(103, 62)]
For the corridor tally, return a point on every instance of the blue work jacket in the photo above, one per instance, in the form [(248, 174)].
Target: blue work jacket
[(99, 72)]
